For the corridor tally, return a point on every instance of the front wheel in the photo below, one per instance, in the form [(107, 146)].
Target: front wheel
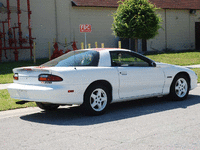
[(47, 107), (179, 88), (96, 100)]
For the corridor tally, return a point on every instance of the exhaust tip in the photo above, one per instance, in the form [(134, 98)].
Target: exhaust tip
[(22, 102)]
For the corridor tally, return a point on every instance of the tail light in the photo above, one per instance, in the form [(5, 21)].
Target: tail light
[(49, 77), (16, 76)]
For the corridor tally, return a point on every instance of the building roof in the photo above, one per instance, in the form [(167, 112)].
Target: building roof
[(165, 4), (95, 3), (177, 4)]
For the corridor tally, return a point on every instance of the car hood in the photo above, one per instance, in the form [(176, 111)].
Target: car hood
[(164, 65)]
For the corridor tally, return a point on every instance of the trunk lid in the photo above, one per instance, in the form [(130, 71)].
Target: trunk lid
[(29, 75)]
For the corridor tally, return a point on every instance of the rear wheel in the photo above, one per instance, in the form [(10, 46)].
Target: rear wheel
[(179, 88), (47, 107), (96, 100)]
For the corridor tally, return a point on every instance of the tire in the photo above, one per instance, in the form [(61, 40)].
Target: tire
[(47, 107), (180, 88), (96, 100)]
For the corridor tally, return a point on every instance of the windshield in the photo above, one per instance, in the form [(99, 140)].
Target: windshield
[(75, 58)]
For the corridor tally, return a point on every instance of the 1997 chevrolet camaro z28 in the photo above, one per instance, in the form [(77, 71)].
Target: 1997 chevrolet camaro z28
[(94, 78)]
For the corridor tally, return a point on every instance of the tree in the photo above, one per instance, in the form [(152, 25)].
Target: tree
[(136, 19)]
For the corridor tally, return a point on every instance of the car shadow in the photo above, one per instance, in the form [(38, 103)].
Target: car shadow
[(118, 111)]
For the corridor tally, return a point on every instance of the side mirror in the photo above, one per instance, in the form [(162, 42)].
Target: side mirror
[(153, 64)]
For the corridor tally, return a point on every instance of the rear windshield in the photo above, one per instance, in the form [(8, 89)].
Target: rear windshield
[(75, 58)]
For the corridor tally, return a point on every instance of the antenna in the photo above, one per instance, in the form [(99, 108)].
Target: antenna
[(74, 50), (74, 60)]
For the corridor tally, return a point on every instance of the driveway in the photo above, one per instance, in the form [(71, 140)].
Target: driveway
[(150, 124)]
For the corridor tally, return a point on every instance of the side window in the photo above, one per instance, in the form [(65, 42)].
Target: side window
[(127, 59)]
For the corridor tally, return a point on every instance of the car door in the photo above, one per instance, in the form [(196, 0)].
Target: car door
[(138, 76)]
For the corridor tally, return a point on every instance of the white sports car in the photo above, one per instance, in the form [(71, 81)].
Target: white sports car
[(94, 78)]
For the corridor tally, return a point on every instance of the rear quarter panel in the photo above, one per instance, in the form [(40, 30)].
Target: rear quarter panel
[(79, 79)]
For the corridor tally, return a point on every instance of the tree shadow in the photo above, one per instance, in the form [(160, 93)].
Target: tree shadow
[(74, 116)]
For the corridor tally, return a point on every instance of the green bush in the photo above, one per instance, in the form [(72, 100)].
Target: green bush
[(136, 19)]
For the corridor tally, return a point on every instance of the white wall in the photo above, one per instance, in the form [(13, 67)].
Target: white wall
[(158, 43), (178, 31), (24, 20), (194, 18), (42, 22), (69, 18), (101, 20)]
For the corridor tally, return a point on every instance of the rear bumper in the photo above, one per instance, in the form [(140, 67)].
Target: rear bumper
[(56, 94)]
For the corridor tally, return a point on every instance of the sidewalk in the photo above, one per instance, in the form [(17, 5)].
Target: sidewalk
[(193, 66), (4, 86)]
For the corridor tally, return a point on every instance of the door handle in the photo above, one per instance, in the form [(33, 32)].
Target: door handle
[(123, 73)]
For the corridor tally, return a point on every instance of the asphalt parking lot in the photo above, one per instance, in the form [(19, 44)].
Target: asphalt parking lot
[(148, 124)]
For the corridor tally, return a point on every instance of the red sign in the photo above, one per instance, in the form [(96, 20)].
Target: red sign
[(85, 28)]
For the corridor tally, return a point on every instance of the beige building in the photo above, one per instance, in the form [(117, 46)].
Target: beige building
[(180, 29), (60, 19)]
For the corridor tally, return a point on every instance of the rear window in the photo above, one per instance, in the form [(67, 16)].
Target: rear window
[(75, 58)]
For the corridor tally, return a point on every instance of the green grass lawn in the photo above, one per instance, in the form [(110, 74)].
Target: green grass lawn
[(6, 74), (7, 103), (182, 59)]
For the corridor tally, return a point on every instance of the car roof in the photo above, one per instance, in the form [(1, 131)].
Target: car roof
[(107, 49)]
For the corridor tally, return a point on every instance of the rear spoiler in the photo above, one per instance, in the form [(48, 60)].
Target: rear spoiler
[(32, 68)]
